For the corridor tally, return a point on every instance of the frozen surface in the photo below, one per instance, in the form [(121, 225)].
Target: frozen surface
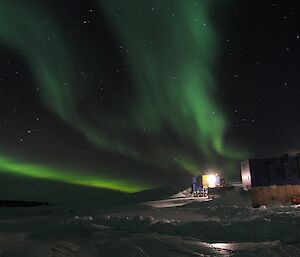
[(226, 226)]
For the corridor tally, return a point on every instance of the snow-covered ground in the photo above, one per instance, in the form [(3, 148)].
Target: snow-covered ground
[(226, 226)]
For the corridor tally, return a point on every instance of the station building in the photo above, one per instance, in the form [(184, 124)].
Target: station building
[(272, 180)]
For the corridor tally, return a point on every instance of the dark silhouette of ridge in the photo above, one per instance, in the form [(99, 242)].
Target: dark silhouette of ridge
[(22, 204)]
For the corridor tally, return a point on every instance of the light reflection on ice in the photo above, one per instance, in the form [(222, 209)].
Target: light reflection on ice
[(244, 245), (227, 249), (173, 202)]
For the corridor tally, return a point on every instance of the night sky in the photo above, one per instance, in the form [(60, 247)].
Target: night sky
[(132, 95)]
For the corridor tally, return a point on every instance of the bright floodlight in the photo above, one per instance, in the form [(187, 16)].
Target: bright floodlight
[(209, 181)]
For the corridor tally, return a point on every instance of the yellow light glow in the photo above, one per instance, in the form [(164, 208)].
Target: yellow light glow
[(209, 181)]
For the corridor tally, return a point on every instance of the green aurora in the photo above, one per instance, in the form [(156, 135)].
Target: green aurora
[(8, 165), (171, 67)]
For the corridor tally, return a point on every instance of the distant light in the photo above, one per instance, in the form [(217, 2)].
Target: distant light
[(209, 181)]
